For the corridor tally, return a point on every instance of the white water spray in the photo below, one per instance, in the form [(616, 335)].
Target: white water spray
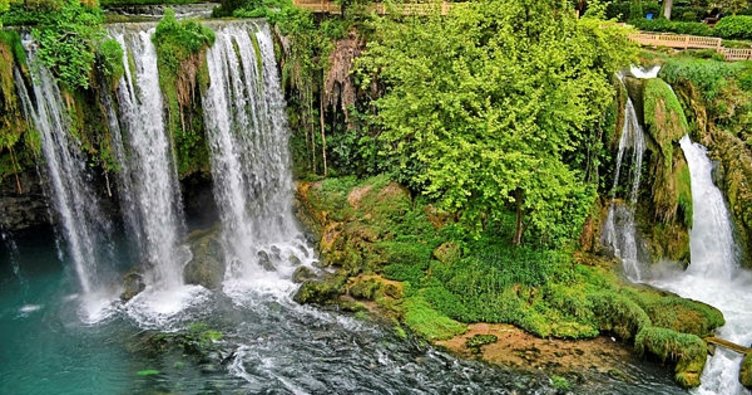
[(86, 230), (248, 138), (148, 177), (620, 230)]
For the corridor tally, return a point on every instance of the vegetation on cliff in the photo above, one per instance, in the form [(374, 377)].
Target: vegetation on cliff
[(181, 59)]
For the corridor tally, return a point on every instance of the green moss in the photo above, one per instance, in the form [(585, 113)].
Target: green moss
[(429, 323), (688, 351), (745, 373), (479, 341), (679, 314), (181, 60), (664, 117)]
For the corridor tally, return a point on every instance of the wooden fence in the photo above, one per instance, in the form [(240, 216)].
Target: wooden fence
[(682, 41)]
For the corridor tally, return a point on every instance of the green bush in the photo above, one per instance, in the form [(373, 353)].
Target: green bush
[(735, 27), (110, 59), (664, 25), (67, 40)]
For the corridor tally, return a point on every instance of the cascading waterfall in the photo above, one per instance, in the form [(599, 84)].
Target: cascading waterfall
[(149, 188), (248, 138), (714, 275), (620, 231), (86, 231)]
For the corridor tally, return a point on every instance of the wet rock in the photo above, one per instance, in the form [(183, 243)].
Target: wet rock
[(294, 260), (319, 292), (265, 261), (133, 284), (303, 274), (276, 253), (206, 267)]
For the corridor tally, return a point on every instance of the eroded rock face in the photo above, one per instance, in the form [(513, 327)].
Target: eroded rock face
[(206, 267), (24, 208)]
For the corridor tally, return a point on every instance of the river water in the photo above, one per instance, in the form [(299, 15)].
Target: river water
[(275, 346)]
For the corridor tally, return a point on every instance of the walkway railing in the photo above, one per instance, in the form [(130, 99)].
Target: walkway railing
[(682, 41)]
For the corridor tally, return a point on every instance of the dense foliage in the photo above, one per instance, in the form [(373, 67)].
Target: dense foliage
[(498, 105), (68, 40)]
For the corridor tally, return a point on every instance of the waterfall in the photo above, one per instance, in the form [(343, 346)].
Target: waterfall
[(149, 186), (620, 231), (245, 118), (85, 229), (714, 275), (712, 239)]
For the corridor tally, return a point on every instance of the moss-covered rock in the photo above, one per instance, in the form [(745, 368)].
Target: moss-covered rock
[(133, 284), (689, 352), (320, 291), (447, 252), (206, 267), (745, 373)]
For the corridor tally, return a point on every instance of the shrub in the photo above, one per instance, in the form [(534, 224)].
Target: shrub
[(110, 59), (664, 25), (738, 27), (67, 41)]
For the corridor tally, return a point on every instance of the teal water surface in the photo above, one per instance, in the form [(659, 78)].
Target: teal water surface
[(271, 346)]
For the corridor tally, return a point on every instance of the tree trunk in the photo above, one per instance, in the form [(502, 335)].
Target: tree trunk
[(323, 135), (667, 6), (519, 227)]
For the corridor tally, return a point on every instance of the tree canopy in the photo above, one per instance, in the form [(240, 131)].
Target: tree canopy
[(497, 106)]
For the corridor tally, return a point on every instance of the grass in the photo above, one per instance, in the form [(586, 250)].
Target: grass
[(422, 319)]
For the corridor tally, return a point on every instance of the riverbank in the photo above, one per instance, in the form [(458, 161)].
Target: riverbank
[(384, 247)]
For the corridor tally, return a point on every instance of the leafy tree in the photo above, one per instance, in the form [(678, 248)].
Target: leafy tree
[(497, 107), (68, 39)]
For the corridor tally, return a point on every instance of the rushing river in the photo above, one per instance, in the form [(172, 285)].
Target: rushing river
[(273, 346)]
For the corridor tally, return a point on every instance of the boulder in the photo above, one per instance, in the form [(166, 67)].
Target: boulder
[(133, 284), (206, 267)]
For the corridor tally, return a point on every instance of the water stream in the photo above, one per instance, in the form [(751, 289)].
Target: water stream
[(149, 176), (620, 230)]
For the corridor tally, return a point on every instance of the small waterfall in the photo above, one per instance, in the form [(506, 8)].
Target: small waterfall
[(712, 239), (149, 187), (86, 230), (620, 231), (248, 137), (714, 275)]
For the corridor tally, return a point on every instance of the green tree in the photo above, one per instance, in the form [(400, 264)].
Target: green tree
[(68, 39), (496, 107)]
